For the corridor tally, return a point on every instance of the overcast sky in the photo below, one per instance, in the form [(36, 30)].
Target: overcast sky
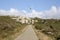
[(31, 8)]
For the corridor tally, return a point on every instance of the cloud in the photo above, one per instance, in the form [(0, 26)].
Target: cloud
[(53, 12), (11, 12)]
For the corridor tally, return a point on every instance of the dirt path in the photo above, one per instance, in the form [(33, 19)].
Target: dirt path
[(28, 34), (43, 36)]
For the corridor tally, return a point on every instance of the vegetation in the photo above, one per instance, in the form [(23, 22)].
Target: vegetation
[(48, 26), (9, 27)]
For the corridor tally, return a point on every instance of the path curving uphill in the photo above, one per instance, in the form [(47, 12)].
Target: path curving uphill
[(28, 34)]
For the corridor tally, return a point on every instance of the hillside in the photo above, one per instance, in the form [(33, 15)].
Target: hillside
[(50, 27), (9, 27)]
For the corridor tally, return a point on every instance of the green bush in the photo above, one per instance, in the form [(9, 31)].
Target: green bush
[(58, 37)]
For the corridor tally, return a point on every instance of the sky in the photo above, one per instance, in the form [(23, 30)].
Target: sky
[(31, 8)]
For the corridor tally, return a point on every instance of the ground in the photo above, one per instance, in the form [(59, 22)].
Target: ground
[(30, 34)]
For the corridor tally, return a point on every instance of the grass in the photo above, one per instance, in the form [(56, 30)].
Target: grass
[(9, 27), (49, 25)]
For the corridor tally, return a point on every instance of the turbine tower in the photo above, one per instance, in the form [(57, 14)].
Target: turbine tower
[(30, 12)]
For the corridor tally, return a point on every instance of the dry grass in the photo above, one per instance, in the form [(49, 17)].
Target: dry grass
[(48, 25), (9, 28)]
